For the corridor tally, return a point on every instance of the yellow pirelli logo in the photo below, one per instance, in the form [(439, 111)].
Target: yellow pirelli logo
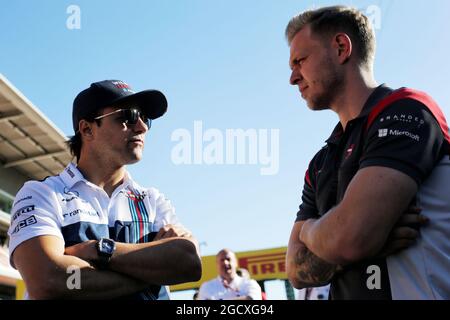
[(265, 266)]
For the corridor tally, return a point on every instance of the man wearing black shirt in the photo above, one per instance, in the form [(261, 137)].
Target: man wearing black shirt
[(390, 150)]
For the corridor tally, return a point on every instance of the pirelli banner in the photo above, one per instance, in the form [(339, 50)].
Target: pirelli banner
[(267, 264)]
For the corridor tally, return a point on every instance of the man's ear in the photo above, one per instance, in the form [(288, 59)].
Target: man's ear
[(342, 44), (85, 129)]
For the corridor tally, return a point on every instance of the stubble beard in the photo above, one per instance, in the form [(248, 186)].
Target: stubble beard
[(329, 85), (134, 156)]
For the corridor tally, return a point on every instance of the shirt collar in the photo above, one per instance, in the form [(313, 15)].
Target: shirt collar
[(379, 93), (72, 175), (336, 134)]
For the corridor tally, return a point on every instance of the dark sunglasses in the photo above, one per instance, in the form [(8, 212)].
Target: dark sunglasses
[(129, 116)]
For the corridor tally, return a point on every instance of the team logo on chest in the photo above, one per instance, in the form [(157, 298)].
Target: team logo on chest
[(140, 217), (134, 195), (349, 151)]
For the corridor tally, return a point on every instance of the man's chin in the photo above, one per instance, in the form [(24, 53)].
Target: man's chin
[(134, 157), (133, 161), (314, 106), (135, 153)]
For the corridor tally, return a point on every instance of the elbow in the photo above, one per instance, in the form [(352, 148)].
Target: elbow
[(196, 268), (192, 261), (292, 277), (295, 282), (291, 272)]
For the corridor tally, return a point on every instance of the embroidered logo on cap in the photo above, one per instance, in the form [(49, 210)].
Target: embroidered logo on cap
[(123, 86)]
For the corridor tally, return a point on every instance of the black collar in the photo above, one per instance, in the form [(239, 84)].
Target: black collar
[(379, 93)]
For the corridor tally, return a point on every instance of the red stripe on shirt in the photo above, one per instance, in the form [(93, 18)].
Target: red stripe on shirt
[(406, 93)]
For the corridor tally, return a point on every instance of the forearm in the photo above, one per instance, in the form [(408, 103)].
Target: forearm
[(310, 270), (304, 268), (163, 262), (337, 242), (359, 226), (320, 240), (74, 278)]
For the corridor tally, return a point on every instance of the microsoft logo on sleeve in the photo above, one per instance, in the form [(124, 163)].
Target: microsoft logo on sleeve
[(382, 133)]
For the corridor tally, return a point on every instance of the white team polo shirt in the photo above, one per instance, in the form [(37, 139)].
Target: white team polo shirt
[(75, 210), (239, 287)]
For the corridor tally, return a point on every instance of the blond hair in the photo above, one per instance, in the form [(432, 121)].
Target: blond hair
[(327, 21)]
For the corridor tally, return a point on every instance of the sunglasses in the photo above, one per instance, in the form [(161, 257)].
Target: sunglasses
[(129, 117)]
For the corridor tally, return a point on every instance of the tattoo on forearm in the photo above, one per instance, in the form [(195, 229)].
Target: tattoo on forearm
[(312, 270)]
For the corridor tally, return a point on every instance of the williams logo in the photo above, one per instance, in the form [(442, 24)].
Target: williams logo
[(123, 86), (72, 195)]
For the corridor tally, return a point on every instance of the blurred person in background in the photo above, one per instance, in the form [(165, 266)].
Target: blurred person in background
[(229, 285)]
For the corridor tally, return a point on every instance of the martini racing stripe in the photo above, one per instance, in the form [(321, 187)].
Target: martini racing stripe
[(140, 216), (143, 210)]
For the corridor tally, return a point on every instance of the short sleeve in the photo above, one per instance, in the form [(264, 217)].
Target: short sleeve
[(308, 208), (405, 137), (33, 214), (165, 212)]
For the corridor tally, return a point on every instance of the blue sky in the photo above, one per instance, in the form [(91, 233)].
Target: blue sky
[(224, 63)]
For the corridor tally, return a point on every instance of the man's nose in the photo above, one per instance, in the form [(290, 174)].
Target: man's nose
[(140, 126), (295, 77)]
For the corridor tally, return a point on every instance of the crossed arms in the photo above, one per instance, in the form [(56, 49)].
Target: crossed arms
[(362, 225), (43, 262)]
